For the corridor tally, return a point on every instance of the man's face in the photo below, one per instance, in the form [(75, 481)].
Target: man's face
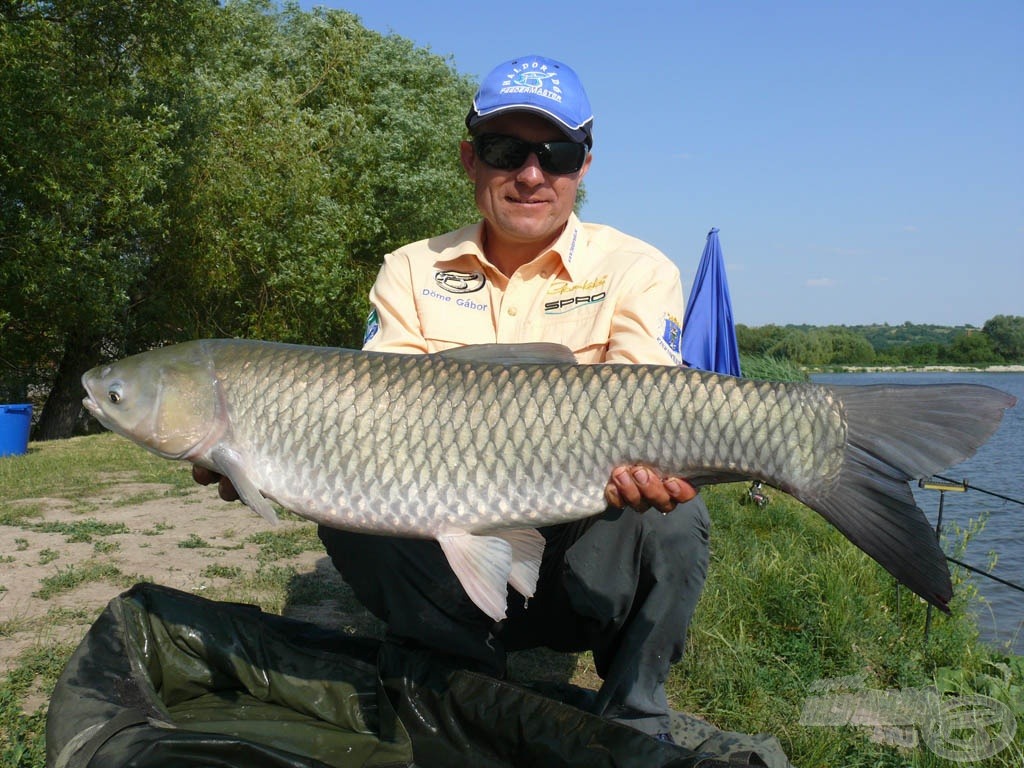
[(527, 206)]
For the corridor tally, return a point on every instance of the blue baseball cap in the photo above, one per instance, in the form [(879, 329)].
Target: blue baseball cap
[(536, 84)]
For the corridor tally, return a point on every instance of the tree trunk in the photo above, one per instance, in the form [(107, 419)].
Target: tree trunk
[(63, 405)]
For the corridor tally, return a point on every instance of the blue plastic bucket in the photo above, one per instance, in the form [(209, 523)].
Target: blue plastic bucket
[(15, 422)]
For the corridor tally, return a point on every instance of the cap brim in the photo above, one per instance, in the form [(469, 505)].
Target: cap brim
[(581, 135)]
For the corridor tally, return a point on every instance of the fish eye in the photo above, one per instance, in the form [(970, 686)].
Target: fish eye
[(115, 392)]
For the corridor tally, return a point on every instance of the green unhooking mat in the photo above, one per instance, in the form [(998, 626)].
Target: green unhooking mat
[(165, 678)]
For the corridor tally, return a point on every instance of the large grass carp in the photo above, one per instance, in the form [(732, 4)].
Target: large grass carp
[(479, 446)]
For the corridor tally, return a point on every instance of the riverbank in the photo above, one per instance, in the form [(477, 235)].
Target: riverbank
[(919, 369)]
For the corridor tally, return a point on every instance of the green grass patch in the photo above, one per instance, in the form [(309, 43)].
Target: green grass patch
[(84, 466), (74, 576), (22, 735), (18, 515), (48, 556), (789, 602), (276, 545), (193, 541), (81, 530), (157, 529), (221, 572)]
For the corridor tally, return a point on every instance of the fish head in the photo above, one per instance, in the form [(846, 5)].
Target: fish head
[(165, 399)]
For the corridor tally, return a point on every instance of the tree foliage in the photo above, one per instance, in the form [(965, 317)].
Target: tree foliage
[(188, 168), (1001, 340), (1006, 332)]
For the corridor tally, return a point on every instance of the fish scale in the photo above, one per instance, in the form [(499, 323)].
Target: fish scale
[(478, 446)]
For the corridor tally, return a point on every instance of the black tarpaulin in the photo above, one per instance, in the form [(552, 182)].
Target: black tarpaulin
[(165, 678)]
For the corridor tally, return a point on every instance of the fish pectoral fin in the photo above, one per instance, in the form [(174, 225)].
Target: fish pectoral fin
[(483, 565), (229, 464), (527, 549)]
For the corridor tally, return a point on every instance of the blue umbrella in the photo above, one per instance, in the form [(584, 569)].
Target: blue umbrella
[(709, 333)]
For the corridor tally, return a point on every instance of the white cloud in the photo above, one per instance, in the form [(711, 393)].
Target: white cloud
[(822, 282)]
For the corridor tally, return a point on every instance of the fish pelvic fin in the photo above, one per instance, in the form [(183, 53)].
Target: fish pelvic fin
[(897, 434), (230, 464), (484, 564), (527, 550)]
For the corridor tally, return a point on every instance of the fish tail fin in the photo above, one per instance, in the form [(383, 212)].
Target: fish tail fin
[(897, 434)]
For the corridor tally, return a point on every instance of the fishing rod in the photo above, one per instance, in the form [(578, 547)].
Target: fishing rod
[(967, 485), (992, 576), (950, 485)]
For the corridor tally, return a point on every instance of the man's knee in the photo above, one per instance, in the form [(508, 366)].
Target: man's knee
[(677, 543)]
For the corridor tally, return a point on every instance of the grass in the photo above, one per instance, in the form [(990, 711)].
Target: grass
[(789, 603), (22, 735), (74, 576), (81, 530), (81, 467)]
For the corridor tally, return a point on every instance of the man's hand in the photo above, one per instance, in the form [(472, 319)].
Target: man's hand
[(642, 488), (225, 489)]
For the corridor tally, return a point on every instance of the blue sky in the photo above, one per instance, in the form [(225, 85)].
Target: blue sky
[(864, 161)]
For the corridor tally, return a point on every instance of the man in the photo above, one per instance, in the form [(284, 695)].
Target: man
[(622, 584)]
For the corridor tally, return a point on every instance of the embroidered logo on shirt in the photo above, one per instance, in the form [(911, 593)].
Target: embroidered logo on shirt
[(672, 336), (580, 298), (569, 303), (372, 326), (454, 281)]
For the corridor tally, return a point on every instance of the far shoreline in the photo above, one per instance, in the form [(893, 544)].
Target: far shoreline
[(920, 369)]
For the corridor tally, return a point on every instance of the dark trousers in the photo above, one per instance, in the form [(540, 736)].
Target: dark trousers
[(623, 585)]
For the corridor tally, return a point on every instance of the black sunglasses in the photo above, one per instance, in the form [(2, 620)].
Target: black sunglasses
[(507, 153)]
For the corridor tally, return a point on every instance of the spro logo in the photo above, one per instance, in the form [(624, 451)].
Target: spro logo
[(583, 295), (569, 303)]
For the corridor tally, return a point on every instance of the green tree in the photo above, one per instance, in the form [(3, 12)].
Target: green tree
[(1006, 334), (759, 340), (806, 347), (849, 348), (972, 349), (319, 146), (171, 170), (85, 149)]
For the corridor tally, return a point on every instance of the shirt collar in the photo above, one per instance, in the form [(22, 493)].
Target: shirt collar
[(570, 247)]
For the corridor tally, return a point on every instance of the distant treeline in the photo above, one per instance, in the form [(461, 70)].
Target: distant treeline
[(999, 341)]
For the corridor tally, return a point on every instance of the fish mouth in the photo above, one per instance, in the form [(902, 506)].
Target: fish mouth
[(96, 411)]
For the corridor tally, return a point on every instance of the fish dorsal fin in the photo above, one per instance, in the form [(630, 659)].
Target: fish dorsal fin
[(509, 354)]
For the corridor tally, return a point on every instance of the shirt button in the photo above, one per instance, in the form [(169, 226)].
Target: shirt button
[(512, 311)]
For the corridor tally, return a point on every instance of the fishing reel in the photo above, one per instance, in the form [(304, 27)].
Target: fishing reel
[(756, 495)]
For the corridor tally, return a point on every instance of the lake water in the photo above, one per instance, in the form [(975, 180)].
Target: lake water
[(997, 467)]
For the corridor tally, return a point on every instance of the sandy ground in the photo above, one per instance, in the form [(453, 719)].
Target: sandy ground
[(160, 546)]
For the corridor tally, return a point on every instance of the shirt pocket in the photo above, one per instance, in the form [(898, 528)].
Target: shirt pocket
[(584, 330), (453, 320)]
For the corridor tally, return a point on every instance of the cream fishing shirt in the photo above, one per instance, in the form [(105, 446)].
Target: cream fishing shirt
[(607, 296)]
